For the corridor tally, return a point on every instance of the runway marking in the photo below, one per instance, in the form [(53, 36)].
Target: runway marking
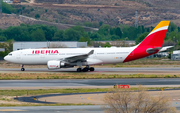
[(89, 98), (11, 110)]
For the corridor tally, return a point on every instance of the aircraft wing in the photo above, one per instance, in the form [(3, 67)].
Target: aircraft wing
[(78, 57)]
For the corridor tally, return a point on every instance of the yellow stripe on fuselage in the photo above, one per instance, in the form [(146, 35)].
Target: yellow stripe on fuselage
[(161, 24)]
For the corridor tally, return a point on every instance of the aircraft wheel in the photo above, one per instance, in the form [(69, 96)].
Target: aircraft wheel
[(85, 69), (78, 69), (22, 69), (91, 68)]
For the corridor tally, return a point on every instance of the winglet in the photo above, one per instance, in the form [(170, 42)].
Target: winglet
[(91, 52)]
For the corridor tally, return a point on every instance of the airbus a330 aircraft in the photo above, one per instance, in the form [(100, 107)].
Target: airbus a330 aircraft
[(70, 57)]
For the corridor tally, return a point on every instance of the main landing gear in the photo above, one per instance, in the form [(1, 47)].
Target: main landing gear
[(87, 68), (22, 67)]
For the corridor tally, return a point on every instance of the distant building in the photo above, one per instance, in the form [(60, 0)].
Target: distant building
[(119, 43), (53, 44), (8, 1), (2, 49), (159, 55), (175, 55)]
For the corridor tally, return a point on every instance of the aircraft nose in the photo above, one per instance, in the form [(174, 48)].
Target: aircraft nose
[(5, 58)]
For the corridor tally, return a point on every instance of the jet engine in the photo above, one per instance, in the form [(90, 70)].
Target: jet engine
[(55, 64)]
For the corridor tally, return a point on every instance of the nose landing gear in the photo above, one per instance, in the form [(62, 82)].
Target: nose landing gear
[(22, 67)]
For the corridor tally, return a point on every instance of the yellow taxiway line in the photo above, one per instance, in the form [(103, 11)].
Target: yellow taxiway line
[(11, 110)]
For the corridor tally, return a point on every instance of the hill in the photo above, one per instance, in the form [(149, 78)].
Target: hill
[(15, 20), (111, 12)]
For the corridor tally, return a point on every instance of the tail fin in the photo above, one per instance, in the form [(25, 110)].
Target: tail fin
[(156, 36), (151, 44)]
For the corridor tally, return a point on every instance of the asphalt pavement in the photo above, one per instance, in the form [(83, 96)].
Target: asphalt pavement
[(54, 109), (62, 109), (87, 82), (127, 70)]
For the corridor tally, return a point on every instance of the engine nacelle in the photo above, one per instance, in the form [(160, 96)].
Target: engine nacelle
[(55, 64)]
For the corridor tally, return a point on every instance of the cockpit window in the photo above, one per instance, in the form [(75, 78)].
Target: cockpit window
[(10, 54)]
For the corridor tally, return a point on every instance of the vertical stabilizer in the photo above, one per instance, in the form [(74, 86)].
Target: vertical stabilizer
[(156, 37), (151, 44)]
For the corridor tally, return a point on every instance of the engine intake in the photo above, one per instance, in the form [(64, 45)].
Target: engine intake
[(55, 64)]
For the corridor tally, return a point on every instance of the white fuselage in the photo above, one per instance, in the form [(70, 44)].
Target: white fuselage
[(100, 55)]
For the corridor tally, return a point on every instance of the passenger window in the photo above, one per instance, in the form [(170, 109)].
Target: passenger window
[(10, 54)]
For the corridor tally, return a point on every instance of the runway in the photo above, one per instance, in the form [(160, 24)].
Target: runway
[(70, 83), (129, 70)]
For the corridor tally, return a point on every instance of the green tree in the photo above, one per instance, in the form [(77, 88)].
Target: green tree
[(115, 37), (172, 27), (143, 29), (100, 23), (95, 24), (37, 16), (8, 45), (104, 29), (107, 44), (139, 29), (71, 35), (6, 8), (112, 31), (58, 36), (3, 38), (80, 31), (88, 40), (118, 32), (141, 37), (38, 35), (49, 31), (88, 24), (95, 36)]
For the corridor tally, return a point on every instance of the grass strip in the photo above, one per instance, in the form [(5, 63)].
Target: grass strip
[(29, 76), (50, 91)]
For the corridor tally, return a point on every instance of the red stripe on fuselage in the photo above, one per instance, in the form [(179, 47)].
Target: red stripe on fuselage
[(152, 41)]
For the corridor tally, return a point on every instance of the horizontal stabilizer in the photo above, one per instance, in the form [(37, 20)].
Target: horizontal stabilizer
[(165, 48), (153, 50)]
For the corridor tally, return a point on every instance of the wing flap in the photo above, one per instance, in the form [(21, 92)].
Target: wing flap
[(78, 57)]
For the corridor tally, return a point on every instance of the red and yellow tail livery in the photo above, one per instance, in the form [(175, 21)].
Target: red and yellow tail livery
[(151, 44)]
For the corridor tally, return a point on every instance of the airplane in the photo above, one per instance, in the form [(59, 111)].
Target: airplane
[(69, 57)]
